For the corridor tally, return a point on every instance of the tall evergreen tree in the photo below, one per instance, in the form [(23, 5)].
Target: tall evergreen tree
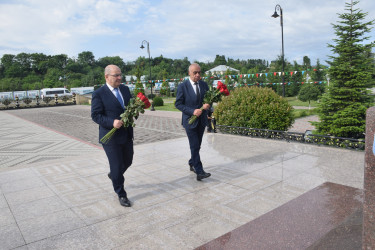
[(342, 110)]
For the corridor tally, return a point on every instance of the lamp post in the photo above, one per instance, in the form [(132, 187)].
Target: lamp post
[(275, 15), (149, 60)]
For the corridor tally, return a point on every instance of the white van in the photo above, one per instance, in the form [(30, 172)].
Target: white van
[(54, 91)]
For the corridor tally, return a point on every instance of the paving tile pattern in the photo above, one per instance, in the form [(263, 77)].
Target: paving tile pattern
[(54, 192), (76, 121)]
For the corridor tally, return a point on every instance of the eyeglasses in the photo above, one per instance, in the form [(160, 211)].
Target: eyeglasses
[(196, 72), (116, 75)]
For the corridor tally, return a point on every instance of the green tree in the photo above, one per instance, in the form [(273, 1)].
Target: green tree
[(39, 63), (306, 63), (318, 77), (86, 58), (58, 61), (308, 92), (116, 60), (342, 111), (138, 85), (220, 60), (165, 90)]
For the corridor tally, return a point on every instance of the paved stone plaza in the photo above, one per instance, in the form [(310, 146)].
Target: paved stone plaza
[(55, 194)]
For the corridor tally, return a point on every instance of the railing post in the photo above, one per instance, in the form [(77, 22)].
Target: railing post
[(17, 102)]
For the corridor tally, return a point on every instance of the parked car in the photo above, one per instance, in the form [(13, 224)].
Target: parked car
[(54, 91)]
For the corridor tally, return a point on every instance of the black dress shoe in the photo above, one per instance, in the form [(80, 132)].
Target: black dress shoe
[(203, 175), (109, 175), (124, 201), (192, 168)]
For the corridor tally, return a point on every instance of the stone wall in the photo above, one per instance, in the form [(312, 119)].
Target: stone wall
[(368, 237)]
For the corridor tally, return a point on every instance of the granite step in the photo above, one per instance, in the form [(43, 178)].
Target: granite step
[(318, 218)]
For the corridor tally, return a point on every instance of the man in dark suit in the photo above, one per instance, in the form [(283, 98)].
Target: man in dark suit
[(189, 100), (108, 103)]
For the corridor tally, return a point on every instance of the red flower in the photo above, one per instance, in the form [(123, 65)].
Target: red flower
[(222, 88), (135, 106), (211, 96), (144, 99)]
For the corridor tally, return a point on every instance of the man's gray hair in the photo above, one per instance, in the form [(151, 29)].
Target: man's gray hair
[(109, 69), (194, 64)]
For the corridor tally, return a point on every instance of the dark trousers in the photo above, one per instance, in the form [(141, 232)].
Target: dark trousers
[(120, 157), (195, 136)]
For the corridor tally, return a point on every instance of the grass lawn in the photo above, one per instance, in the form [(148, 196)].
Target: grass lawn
[(298, 113), (167, 107), (295, 102)]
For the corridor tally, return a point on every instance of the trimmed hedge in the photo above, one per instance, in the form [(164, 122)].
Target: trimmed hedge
[(254, 107), (158, 101)]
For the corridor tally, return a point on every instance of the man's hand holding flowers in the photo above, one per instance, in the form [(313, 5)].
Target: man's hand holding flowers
[(117, 123), (211, 96), (135, 106), (198, 112)]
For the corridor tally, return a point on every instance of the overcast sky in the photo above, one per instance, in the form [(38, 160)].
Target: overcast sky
[(199, 30)]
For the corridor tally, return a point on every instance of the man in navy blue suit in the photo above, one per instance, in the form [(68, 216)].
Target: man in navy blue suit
[(189, 100), (108, 103)]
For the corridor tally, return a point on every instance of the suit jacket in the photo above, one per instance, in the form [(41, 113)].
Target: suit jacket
[(105, 108), (186, 102)]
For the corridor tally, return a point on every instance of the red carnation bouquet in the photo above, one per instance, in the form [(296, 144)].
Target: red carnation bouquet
[(135, 106), (211, 96)]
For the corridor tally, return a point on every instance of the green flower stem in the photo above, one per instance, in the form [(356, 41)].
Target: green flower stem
[(135, 106), (194, 117), (105, 139)]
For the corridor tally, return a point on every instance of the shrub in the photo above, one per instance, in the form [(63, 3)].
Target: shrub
[(6, 102), (64, 98), (149, 96), (27, 100), (158, 101), (254, 107), (48, 99)]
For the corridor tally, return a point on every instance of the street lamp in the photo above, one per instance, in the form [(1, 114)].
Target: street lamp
[(149, 59), (275, 15)]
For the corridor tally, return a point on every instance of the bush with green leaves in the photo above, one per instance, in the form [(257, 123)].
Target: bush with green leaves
[(64, 98), (158, 101), (48, 99), (6, 102), (254, 107), (27, 100)]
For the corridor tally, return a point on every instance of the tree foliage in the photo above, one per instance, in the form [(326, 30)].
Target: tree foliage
[(308, 93), (342, 110), (138, 85), (35, 71)]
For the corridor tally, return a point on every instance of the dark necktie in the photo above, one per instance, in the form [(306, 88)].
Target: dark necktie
[(119, 97), (197, 91)]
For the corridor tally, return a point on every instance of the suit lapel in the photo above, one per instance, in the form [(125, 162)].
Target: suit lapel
[(191, 91), (124, 94), (200, 90), (111, 96)]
